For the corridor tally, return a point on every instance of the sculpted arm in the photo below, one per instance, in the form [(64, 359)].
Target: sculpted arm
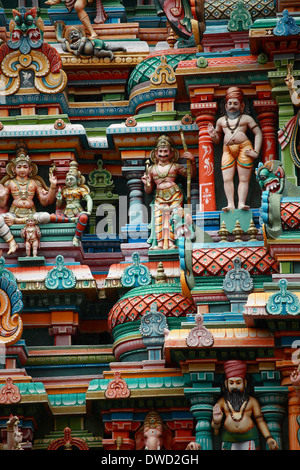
[(290, 82), (217, 415), (4, 194), (148, 181), (254, 127), (262, 426), (215, 133), (189, 156), (47, 197)]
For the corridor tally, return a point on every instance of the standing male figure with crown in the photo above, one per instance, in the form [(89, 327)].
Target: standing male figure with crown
[(169, 196)]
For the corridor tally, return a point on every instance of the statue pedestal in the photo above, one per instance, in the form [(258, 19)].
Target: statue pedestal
[(231, 217), (163, 255), (31, 260)]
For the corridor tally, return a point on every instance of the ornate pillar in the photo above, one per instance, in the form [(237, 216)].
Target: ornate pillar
[(286, 368), (267, 114), (205, 114), (202, 398), (272, 401), (137, 227), (64, 325)]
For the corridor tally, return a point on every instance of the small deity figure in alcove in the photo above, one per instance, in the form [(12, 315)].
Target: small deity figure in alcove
[(238, 152), (169, 197), (31, 234), (69, 199)]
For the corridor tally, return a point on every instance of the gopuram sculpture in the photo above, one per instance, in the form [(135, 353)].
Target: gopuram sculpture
[(289, 133), (31, 234), (22, 184), (238, 408), (79, 6), (74, 40), (68, 201), (238, 153), (169, 197), (14, 436)]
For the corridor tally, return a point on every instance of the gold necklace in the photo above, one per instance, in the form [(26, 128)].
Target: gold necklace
[(164, 176)]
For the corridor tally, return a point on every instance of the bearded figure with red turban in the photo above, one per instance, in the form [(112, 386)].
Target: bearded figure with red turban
[(237, 412), (238, 152)]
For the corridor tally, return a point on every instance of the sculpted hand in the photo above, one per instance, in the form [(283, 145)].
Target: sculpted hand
[(145, 179), (52, 180), (289, 80), (217, 414), (211, 130), (272, 444), (251, 153), (188, 156)]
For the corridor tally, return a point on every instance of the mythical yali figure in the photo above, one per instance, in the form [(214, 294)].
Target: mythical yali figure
[(238, 408), (69, 202), (22, 184), (169, 197), (238, 152), (73, 39)]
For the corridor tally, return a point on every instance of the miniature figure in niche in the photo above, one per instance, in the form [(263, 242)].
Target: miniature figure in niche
[(238, 153), (74, 40), (169, 197), (239, 408), (23, 184), (31, 234)]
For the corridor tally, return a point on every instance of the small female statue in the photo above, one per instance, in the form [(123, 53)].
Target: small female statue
[(68, 201)]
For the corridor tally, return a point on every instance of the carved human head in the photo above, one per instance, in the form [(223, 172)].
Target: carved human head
[(235, 372), (165, 145), (234, 98)]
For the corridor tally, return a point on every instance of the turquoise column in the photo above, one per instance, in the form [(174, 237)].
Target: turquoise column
[(202, 399), (273, 406)]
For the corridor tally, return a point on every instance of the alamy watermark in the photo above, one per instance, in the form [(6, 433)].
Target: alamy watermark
[(133, 220)]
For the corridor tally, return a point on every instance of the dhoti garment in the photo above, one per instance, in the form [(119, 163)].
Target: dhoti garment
[(240, 441), (236, 154), (166, 202)]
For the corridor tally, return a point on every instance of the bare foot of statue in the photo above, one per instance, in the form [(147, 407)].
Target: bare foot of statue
[(13, 246), (244, 207), (228, 208)]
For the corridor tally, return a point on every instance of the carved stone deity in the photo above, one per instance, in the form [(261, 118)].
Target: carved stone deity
[(22, 184), (239, 411), (238, 153), (169, 197), (74, 40), (69, 201)]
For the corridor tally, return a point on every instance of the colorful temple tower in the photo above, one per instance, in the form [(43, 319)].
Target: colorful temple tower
[(149, 225)]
